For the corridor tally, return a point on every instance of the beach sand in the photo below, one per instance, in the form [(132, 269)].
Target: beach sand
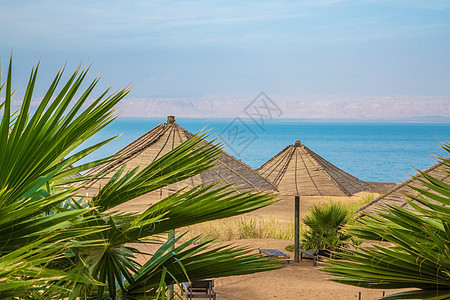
[(293, 281)]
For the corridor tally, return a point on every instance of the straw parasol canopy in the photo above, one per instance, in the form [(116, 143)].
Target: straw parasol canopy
[(297, 170), (165, 137), (397, 196)]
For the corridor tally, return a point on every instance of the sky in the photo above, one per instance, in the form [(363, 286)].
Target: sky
[(215, 57)]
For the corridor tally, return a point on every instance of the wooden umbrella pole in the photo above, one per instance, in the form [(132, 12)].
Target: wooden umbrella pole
[(297, 228)]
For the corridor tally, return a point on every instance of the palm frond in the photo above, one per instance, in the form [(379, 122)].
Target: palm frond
[(54, 245), (38, 145), (420, 253), (175, 264), (189, 159)]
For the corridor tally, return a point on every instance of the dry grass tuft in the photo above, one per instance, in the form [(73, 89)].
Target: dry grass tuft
[(354, 205), (258, 227), (243, 228)]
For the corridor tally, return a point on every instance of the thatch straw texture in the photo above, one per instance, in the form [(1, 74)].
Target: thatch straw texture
[(397, 196), (297, 170), (164, 138)]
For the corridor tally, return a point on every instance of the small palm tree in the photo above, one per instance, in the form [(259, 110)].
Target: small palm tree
[(56, 244), (325, 223), (420, 253)]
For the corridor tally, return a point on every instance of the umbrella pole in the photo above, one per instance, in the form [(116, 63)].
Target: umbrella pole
[(297, 229)]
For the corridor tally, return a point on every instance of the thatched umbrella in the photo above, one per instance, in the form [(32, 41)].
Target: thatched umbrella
[(397, 196), (165, 137), (299, 171)]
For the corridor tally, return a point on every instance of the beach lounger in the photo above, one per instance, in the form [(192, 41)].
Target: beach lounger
[(312, 254), (199, 289), (274, 253)]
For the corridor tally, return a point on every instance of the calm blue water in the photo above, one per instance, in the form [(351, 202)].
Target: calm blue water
[(372, 152)]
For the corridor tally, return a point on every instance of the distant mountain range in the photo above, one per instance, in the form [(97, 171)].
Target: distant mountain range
[(400, 107)]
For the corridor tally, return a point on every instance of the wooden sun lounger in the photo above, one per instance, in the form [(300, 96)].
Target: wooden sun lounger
[(199, 289), (274, 253), (312, 254)]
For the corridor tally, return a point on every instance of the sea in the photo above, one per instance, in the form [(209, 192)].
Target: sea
[(383, 152)]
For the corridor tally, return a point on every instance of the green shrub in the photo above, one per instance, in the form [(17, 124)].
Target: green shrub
[(325, 222)]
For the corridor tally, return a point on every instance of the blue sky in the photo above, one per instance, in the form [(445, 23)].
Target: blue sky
[(198, 49)]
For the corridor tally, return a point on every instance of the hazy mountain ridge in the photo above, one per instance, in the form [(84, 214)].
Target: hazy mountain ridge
[(381, 107), (399, 107)]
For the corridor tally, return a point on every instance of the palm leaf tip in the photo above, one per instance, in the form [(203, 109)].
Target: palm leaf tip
[(85, 253), (418, 257)]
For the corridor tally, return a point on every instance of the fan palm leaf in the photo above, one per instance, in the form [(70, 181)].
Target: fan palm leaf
[(325, 222), (39, 145), (420, 253), (173, 264), (113, 261), (80, 245), (36, 228)]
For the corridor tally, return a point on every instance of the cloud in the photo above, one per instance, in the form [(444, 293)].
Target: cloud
[(148, 24), (415, 4), (238, 47)]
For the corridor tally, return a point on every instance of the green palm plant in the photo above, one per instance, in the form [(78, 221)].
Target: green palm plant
[(325, 223), (56, 244), (420, 253), (32, 151)]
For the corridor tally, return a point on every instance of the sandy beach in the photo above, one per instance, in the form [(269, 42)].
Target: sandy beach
[(292, 281)]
